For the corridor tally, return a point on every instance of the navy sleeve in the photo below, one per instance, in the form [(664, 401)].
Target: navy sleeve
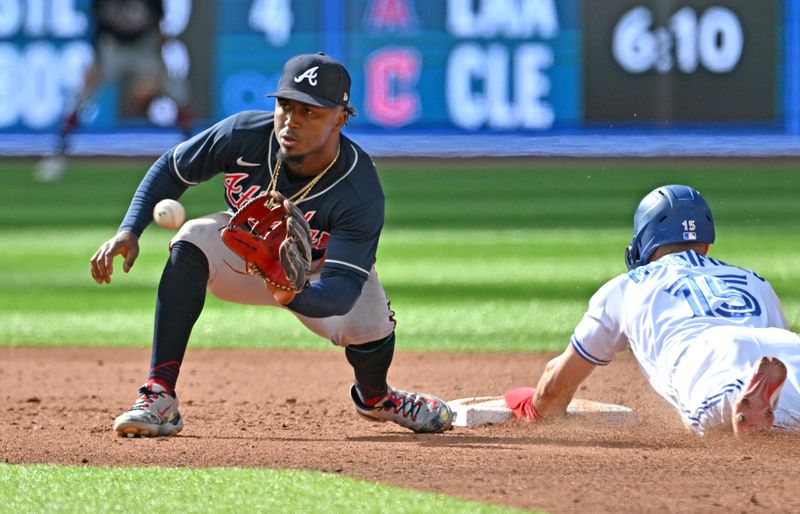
[(156, 185), (205, 155), (354, 238), (334, 294), (196, 160), (350, 257)]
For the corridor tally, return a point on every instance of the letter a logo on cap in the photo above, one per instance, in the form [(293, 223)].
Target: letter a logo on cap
[(310, 74)]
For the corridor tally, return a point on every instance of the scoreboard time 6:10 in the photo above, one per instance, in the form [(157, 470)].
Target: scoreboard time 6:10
[(688, 61)]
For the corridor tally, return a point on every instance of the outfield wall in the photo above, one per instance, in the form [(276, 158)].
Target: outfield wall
[(445, 77)]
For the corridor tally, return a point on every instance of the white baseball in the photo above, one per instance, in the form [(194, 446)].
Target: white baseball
[(169, 214)]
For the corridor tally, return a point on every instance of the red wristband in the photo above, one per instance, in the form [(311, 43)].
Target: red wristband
[(520, 401)]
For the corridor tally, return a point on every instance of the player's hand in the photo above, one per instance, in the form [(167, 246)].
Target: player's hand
[(520, 401), (102, 262)]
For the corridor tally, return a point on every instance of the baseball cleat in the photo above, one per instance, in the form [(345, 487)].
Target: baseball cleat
[(422, 413), (50, 169), (155, 413), (753, 412)]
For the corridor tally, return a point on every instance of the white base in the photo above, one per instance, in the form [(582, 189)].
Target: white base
[(483, 410)]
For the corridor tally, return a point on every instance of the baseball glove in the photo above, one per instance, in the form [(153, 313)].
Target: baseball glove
[(273, 237)]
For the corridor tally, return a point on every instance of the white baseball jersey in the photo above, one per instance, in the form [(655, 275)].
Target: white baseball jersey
[(696, 326)]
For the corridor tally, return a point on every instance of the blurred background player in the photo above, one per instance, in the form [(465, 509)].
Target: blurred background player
[(712, 339), (299, 151), (127, 47)]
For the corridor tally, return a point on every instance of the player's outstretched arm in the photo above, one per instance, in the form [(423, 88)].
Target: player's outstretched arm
[(125, 243), (553, 394), (558, 383)]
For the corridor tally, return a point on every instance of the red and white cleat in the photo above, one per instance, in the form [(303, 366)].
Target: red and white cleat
[(154, 414), (753, 412), (420, 412)]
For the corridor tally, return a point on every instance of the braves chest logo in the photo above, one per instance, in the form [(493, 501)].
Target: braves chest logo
[(235, 191)]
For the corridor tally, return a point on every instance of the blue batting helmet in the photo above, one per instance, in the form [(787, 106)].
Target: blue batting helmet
[(668, 214)]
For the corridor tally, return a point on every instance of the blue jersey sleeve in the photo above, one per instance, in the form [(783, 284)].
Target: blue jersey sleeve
[(205, 155), (334, 294)]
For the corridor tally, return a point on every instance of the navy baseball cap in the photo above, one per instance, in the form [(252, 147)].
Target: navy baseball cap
[(315, 79)]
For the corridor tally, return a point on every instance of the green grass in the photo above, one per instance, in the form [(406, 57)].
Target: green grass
[(471, 259), (85, 489)]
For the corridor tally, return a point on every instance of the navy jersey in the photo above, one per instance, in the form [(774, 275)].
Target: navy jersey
[(127, 20), (345, 209)]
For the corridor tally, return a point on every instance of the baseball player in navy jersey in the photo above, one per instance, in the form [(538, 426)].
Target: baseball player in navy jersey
[(127, 45), (298, 150), (711, 338)]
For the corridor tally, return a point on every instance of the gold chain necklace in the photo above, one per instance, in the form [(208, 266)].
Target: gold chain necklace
[(300, 195)]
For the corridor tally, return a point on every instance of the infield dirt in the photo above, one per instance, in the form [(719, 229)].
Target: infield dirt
[(290, 409)]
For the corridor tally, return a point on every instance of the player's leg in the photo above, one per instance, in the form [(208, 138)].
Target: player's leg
[(780, 345), (150, 69), (376, 401), (754, 410), (139, 62), (180, 300), (718, 369), (371, 362), (105, 66), (53, 167), (368, 328), (92, 79), (367, 333), (708, 378), (177, 88)]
